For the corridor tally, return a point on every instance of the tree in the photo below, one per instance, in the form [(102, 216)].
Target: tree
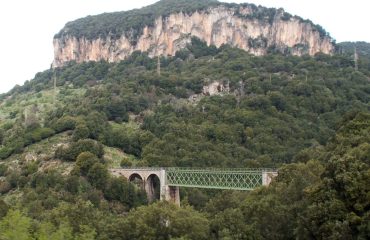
[(81, 132), (119, 189), (64, 123), (81, 216), (3, 208), (87, 233), (15, 226), (5, 152), (75, 148), (85, 161), (47, 232), (340, 203), (64, 232), (164, 220), (268, 212), (98, 175)]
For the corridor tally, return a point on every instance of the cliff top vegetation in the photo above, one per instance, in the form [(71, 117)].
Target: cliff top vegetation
[(132, 22)]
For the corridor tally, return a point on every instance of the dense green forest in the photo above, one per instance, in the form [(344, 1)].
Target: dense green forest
[(307, 116)]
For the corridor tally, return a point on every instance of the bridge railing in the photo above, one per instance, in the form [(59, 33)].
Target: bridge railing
[(221, 169), (199, 169), (218, 178), (140, 168)]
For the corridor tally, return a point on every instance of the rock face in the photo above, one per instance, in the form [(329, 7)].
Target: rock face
[(215, 88), (219, 25)]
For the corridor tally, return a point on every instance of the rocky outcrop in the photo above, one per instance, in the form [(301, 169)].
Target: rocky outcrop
[(219, 25), (215, 88), (211, 89)]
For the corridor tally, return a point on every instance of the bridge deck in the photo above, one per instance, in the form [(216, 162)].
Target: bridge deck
[(216, 178)]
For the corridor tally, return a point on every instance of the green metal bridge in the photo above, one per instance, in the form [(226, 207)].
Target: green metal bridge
[(170, 179), (237, 179)]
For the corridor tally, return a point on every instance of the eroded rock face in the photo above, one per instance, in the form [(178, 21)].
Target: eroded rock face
[(217, 26), (215, 88)]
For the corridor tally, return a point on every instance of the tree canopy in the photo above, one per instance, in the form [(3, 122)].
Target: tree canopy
[(307, 116)]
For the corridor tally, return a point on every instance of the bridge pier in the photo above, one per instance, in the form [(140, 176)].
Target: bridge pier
[(171, 194), (149, 188), (267, 177)]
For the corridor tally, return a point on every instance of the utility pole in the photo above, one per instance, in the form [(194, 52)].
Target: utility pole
[(159, 66), (355, 59), (241, 89), (55, 87), (270, 78)]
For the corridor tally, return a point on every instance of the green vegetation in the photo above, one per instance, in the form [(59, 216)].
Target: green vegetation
[(363, 48), (130, 22), (324, 197), (307, 116), (317, 198), (277, 106), (363, 51)]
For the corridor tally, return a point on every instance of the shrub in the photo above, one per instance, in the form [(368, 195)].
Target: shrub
[(85, 161), (1, 135), (30, 168), (98, 175), (3, 208), (71, 152), (46, 180), (13, 179), (38, 134), (125, 162), (64, 123), (119, 189), (5, 152), (72, 184), (3, 169), (80, 132), (17, 145), (89, 145), (5, 187)]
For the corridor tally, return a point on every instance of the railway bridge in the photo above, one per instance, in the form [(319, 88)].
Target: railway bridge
[(164, 183)]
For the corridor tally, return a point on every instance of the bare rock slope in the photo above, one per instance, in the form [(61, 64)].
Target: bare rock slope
[(242, 26)]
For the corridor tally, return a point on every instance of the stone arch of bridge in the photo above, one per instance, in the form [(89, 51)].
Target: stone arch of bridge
[(149, 181), (137, 179), (153, 187), (153, 182), (135, 176)]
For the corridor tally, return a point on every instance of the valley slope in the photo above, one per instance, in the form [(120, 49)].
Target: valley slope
[(200, 106)]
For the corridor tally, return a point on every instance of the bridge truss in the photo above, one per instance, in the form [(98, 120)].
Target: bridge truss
[(237, 179)]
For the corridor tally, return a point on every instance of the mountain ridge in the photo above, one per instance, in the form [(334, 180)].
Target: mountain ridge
[(168, 26)]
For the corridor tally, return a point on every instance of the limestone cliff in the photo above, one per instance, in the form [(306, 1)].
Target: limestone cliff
[(237, 25)]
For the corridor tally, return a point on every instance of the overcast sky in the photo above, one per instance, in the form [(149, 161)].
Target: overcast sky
[(28, 26)]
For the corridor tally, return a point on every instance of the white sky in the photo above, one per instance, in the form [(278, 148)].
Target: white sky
[(28, 26)]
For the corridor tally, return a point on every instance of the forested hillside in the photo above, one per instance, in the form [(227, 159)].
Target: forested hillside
[(362, 48), (307, 116)]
